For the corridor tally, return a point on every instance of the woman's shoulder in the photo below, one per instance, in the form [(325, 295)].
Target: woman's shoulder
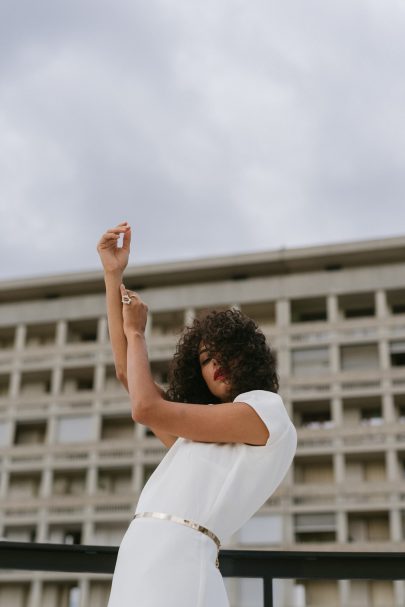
[(270, 407), (263, 395)]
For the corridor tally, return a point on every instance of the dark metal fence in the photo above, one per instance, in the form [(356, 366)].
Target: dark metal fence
[(264, 564)]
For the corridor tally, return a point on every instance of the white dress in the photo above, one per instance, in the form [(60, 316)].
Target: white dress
[(162, 563)]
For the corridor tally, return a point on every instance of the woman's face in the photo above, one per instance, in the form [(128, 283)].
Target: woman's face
[(216, 381)]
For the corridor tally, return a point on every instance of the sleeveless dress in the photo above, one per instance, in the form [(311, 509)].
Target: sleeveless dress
[(162, 563)]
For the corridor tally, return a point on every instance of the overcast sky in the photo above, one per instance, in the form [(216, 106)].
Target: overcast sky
[(212, 127)]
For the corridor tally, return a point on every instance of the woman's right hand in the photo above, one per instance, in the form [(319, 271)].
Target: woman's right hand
[(114, 258)]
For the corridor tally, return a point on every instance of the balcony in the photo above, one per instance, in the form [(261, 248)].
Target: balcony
[(69, 508), (32, 456), (353, 438), (347, 495), (268, 565)]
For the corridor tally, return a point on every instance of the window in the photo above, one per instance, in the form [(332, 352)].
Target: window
[(356, 305), (31, 432), (20, 534), (24, 485), (365, 468), (316, 419), (65, 594), (75, 429), (160, 371), (312, 413), (117, 428), (396, 301), (108, 534), (397, 353), (363, 356), (14, 593), (320, 521), (368, 527), (69, 483), (263, 313), (82, 331), (65, 534), (7, 338), (4, 384), (371, 416), (78, 379), (262, 529), (74, 596), (317, 527), (35, 383), (114, 481), (399, 400), (167, 323), (111, 382), (40, 335), (314, 470), (308, 310), (310, 361)]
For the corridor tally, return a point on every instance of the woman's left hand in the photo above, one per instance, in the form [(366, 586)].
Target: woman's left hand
[(135, 313)]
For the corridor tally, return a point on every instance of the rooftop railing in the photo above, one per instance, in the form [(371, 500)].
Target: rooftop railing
[(265, 564)]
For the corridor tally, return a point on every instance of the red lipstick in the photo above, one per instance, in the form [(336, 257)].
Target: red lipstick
[(219, 373)]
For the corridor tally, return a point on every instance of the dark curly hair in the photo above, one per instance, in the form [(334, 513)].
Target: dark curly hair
[(239, 347)]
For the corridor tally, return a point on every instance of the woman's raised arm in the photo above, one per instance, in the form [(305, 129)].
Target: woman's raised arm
[(115, 260)]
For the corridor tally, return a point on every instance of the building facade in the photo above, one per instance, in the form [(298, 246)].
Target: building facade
[(73, 462)]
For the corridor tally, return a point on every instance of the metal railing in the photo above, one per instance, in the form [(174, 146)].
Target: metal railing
[(265, 564)]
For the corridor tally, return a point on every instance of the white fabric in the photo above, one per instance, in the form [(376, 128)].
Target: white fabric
[(220, 486)]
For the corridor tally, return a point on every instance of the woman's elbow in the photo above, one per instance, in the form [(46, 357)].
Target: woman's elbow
[(145, 411), (135, 416), (139, 413), (121, 375), (122, 378)]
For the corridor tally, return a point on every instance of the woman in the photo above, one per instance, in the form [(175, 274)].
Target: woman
[(223, 463)]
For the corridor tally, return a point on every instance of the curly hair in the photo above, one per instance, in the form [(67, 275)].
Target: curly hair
[(239, 347)]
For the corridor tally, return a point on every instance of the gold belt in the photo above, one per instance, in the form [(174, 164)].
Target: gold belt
[(183, 521)]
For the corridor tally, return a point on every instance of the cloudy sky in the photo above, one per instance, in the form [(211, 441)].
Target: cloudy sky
[(212, 127)]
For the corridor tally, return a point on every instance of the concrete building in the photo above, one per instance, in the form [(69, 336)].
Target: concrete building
[(73, 462)]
